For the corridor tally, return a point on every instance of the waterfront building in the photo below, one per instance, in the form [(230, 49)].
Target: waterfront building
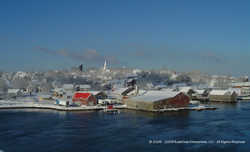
[(84, 98), (157, 100), (222, 96)]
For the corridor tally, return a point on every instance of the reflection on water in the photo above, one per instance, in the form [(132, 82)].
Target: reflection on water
[(49, 130)]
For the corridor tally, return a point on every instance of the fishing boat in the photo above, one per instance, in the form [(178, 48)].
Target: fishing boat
[(109, 109)]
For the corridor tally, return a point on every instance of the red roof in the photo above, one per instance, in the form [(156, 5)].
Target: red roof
[(81, 95)]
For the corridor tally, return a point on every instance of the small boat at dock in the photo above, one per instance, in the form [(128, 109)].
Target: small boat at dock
[(109, 109)]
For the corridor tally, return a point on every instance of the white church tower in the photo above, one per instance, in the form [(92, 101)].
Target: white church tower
[(105, 66)]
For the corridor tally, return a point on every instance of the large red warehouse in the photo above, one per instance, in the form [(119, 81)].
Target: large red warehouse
[(85, 98)]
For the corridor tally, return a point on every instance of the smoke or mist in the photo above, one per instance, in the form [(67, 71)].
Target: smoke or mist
[(210, 56), (89, 56)]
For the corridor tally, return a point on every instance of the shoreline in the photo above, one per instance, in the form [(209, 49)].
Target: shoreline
[(95, 108)]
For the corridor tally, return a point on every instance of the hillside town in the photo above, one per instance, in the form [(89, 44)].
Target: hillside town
[(148, 90)]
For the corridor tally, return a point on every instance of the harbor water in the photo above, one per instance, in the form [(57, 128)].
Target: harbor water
[(224, 129)]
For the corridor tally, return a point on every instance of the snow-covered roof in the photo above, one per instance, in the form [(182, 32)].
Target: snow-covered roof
[(119, 91), (58, 89), (68, 86), (185, 89), (13, 90), (236, 90), (85, 86), (94, 92), (69, 93), (151, 96), (221, 92), (241, 84), (200, 91), (160, 86), (20, 74)]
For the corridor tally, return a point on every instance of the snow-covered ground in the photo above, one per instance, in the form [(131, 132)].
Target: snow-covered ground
[(29, 102)]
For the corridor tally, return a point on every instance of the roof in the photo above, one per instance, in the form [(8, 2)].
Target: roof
[(119, 91), (200, 91), (221, 92), (68, 86), (85, 86), (13, 90), (58, 89), (241, 84), (185, 89), (91, 92), (82, 95), (152, 96), (94, 92)]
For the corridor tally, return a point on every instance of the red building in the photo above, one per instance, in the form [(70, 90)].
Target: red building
[(85, 98)]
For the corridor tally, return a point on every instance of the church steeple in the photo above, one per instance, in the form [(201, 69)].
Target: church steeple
[(105, 66)]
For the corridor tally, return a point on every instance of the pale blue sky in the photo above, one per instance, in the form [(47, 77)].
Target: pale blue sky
[(210, 36)]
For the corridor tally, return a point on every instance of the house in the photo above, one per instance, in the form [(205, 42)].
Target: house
[(58, 92), (83, 87), (201, 95), (242, 88), (65, 99), (222, 96), (68, 87), (157, 100), (84, 98), (99, 94), (187, 90), (13, 93)]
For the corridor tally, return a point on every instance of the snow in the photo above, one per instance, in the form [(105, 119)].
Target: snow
[(84, 86), (93, 92), (68, 86), (58, 90), (20, 74), (194, 102), (119, 91), (199, 91), (151, 96), (185, 89), (14, 91), (221, 92), (241, 84), (29, 102)]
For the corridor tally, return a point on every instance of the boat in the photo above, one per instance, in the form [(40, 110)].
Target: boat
[(243, 97), (109, 109)]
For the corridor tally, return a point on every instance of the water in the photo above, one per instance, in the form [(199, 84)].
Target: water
[(54, 131)]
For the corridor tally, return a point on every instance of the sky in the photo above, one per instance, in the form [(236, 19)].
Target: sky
[(184, 35)]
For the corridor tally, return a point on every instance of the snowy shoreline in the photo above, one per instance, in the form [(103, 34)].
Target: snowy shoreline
[(49, 105)]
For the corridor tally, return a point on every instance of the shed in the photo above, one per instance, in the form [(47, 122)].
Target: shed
[(156, 100), (223, 96), (84, 98)]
